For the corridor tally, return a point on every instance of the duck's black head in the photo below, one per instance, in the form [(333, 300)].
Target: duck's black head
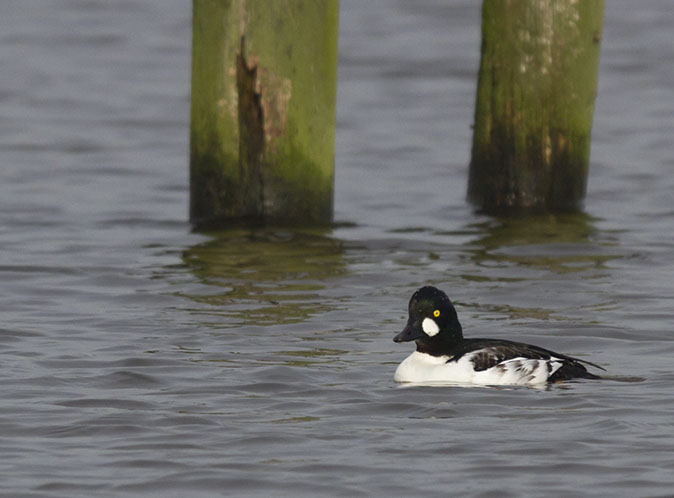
[(432, 320)]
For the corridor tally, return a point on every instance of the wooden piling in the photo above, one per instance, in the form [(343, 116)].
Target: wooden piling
[(262, 131), (535, 101)]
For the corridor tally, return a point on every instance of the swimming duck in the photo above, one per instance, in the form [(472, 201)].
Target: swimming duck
[(443, 355)]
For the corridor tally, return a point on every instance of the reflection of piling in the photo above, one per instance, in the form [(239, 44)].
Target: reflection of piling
[(264, 78), (535, 101)]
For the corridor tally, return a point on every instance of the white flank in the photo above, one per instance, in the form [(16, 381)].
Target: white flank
[(421, 368), (430, 327)]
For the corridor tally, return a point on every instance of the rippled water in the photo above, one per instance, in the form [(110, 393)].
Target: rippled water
[(142, 359)]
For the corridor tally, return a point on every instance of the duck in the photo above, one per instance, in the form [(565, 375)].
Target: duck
[(443, 355)]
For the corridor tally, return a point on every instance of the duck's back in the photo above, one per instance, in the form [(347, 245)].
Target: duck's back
[(492, 362), (522, 360)]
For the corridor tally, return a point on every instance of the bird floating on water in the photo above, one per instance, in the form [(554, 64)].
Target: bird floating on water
[(443, 355)]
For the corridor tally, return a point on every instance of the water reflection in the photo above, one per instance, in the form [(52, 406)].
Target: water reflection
[(263, 276), (542, 267), (559, 243)]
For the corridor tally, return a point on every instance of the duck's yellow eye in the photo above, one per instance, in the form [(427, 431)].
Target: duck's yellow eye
[(436, 313)]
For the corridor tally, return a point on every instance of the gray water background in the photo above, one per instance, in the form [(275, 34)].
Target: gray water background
[(142, 359)]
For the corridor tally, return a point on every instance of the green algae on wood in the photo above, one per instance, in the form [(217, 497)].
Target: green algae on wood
[(262, 131), (535, 102)]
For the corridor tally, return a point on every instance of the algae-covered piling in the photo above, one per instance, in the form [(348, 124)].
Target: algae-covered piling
[(535, 101), (262, 132)]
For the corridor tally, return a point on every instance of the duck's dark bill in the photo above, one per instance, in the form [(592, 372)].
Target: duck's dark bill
[(409, 333)]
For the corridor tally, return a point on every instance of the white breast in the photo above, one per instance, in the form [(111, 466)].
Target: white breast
[(424, 368)]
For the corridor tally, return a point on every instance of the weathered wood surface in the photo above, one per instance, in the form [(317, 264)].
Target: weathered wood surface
[(264, 79), (535, 102)]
